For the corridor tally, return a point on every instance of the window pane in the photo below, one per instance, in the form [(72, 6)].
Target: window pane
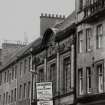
[(53, 75), (100, 78), (99, 36), (25, 63), (88, 71), (20, 92), (6, 97), (11, 96), (24, 94), (15, 71), (66, 75), (41, 75), (88, 39), (80, 75), (80, 42), (12, 73), (15, 94), (28, 89)]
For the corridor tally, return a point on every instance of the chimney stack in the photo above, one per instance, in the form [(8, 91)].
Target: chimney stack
[(48, 21)]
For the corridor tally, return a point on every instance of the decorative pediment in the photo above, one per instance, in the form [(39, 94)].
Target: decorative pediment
[(66, 44), (39, 59)]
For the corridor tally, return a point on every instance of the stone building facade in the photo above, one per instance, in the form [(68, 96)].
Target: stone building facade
[(11, 77), (54, 61), (90, 52), (49, 58)]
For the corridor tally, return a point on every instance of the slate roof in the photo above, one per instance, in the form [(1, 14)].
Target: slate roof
[(21, 52), (67, 25), (67, 22)]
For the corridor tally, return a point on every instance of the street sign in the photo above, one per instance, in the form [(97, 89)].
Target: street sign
[(44, 90), (44, 102)]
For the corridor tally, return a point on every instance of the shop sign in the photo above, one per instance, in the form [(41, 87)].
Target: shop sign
[(44, 102), (44, 90)]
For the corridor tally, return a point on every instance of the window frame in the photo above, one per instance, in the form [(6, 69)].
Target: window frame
[(25, 91), (80, 81), (88, 39), (29, 88), (21, 64), (66, 65), (12, 97), (99, 35), (5, 76), (15, 94), (1, 78), (20, 92), (15, 68), (80, 41), (6, 97), (53, 76), (25, 65), (40, 73), (88, 80), (13, 72), (100, 75)]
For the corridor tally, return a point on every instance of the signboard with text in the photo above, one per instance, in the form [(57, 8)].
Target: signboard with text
[(44, 102), (44, 90)]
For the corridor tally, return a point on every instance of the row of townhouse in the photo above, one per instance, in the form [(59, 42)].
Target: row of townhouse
[(70, 53), (50, 58), (14, 86)]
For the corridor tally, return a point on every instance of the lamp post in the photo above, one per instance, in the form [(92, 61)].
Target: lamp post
[(93, 70), (33, 73)]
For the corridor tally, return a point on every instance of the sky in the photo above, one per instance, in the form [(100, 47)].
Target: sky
[(20, 19)]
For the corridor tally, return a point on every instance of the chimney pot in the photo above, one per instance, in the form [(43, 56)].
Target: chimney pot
[(64, 16), (56, 15), (45, 14), (49, 15), (60, 16), (41, 14), (52, 15)]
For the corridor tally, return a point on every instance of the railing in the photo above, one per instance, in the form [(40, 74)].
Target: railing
[(93, 7)]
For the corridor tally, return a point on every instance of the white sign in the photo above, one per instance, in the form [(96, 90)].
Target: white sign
[(44, 90), (44, 102)]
